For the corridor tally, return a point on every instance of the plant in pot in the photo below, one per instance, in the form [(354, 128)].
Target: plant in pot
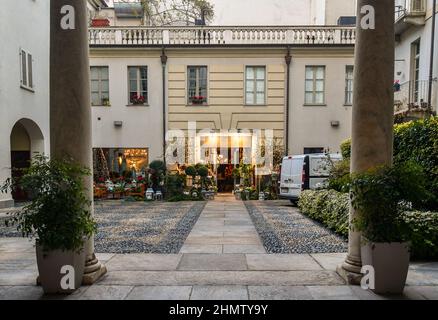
[(58, 217), (380, 197), (157, 170)]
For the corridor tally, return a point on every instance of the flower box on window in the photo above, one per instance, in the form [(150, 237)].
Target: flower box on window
[(138, 100), (198, 100), (96, 23)]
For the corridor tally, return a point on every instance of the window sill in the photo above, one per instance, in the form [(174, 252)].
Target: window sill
[(197, 105), (255, 105), (137, 105), (101, 106), (314, 105), (27, 88)]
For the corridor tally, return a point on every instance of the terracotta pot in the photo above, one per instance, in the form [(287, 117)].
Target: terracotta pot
[(391, 264), (49, 268)]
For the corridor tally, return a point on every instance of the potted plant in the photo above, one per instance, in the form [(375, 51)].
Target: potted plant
[(157, 170), (138, 100), (198, 99), (380, 197), (58, 217)]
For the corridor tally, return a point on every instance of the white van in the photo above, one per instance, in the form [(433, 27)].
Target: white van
[(304, 172)]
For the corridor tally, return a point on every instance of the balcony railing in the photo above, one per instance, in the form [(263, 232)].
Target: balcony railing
[(221, 36), (412, 94), (406, 8)]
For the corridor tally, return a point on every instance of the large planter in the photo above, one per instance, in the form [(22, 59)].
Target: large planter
[(49, 268), (391, 264)]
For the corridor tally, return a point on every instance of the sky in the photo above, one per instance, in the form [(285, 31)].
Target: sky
[(260, 12)]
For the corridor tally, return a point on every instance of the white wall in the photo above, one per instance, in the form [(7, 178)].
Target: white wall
[(23, 24), (142, 125), (403, 52), (310, 126)]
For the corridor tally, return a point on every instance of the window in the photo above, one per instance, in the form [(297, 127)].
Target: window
[(349, 85), (315, 85), (138, 85), (26, 77), (255, 85), (99, 86), (313, 150), (415, 73), (197, 84)]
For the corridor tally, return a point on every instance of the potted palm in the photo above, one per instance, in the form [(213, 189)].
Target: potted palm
[(380, 198), (58, 217)]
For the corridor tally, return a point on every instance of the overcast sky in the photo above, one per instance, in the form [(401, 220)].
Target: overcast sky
[(259, 12)]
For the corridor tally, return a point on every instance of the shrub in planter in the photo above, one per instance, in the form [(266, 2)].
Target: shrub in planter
[(380, 197), (58, 217), (157, 170)]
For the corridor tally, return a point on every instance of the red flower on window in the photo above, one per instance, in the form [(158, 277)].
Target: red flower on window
[(136, 99)]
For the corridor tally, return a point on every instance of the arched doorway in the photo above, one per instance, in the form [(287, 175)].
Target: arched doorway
[(26, 141)]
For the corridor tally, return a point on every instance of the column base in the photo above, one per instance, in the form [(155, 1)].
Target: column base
[(350, 271), (94, 270)]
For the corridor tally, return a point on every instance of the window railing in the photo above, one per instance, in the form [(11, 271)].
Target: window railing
[(206, 35), (412, 94)]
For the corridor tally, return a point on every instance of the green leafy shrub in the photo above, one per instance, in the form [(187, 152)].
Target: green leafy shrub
[(331, 208), (191, 171), (346, 149), (413, 141), (339, 177), (58, 215), (418, 141), (382, 195)]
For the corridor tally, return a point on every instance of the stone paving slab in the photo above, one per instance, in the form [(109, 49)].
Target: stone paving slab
[(244, 248), (219, 293), (203, 248), (281, 262), (144, 262), (332, 293), (213, 262), (106, 293), (243, 278), (279, 293), (160, 293)]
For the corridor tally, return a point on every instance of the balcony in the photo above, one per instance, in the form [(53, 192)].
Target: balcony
[(411, 100), (409, 12), (221, 36)]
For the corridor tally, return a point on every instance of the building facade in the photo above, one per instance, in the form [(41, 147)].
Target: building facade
[(290, 84), (24, 87), (413, 24)]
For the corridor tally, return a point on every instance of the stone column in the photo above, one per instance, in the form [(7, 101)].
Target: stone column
[(70, 107), (373, 107)]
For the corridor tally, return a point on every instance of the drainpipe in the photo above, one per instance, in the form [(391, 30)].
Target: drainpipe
[(288, 60), (163, 64), (432, 49)]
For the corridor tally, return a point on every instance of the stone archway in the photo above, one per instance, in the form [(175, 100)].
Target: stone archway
[(26, 140)]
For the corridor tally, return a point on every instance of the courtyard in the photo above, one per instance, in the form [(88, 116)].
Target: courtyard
[(217, 254)]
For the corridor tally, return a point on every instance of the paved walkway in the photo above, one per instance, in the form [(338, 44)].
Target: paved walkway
[(224, 227), (221, 259)]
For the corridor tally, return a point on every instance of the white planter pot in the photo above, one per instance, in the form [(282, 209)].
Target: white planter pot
[(49, 268), (391, 264)]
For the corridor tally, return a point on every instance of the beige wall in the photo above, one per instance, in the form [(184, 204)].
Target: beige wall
[(310, 126), (339, 8), (226, 107), (142, 125)]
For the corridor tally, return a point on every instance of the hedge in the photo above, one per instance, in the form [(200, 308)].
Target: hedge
[(416, 141), (331, 208)]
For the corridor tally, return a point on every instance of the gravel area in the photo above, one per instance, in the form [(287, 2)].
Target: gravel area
[(138, 227), (283, 229)]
